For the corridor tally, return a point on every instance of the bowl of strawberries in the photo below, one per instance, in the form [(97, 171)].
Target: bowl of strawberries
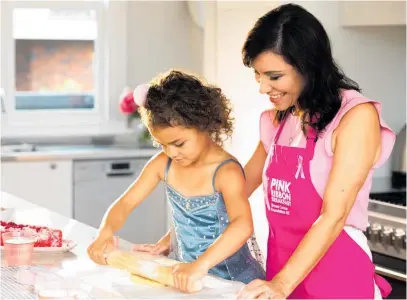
[(46, 239)]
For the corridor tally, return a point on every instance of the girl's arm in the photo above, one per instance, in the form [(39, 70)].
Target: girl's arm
[(231, 183), (355, 152), (145, 183), (120, 209)]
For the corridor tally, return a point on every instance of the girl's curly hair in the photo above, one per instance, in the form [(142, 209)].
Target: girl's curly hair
[(177, 98)]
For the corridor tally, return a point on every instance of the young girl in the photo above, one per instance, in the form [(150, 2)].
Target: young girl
[(205, 185)]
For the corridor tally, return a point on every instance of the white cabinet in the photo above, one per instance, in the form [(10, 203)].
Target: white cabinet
[(372, 13), (45, 183), (98, 183)]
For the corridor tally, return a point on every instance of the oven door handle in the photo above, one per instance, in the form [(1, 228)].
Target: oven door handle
[(391, 273)]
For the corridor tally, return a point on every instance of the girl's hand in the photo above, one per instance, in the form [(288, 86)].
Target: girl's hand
[(186, 274), (260, 289), (155, 249), (99, 249)]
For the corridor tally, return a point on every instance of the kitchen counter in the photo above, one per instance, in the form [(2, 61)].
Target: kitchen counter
[(81, 152), (98, 281)]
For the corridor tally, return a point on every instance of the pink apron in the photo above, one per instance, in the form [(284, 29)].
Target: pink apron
[(292, 206)]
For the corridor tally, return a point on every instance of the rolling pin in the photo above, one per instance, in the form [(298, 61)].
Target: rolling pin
[(144, 265)]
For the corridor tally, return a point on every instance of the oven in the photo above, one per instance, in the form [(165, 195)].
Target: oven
[(394, 271), (386, 235)]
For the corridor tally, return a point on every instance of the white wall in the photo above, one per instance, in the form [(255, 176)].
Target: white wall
[(374, 57), (161, 35)]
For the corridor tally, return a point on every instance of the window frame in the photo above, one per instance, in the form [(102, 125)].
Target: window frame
[(55, 117)]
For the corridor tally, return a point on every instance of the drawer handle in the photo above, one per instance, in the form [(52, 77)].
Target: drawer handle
[(122, 174), (390, 273)]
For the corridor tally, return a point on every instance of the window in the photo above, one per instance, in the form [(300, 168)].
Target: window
[(54, 53), (53, 61)]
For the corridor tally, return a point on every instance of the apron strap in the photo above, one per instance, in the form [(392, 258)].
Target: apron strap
[(280, 129), (312, 138), (167, 168), (220, 165)]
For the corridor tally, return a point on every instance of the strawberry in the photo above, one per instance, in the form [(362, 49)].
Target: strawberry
[(44, 236)]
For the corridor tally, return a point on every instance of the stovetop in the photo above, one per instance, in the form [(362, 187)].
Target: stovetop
[(384, 191), (392, 197), (386, 232)]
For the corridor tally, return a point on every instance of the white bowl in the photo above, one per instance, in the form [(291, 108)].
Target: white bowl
[(6, 213)]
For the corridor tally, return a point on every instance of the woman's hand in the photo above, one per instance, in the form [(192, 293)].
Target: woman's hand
[(154, 249), (186, 274), (260, 289), (99, 249)]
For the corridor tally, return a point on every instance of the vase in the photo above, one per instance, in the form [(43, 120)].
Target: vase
[(143, 137)]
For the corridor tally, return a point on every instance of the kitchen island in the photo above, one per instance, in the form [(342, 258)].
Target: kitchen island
[(94, 281)]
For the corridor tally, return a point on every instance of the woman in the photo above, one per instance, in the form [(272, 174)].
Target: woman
[(320, 144)]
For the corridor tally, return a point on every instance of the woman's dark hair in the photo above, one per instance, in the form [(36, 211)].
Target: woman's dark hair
[(296, 35), (177, 98)]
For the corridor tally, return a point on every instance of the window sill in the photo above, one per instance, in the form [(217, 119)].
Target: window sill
[(21, 132)]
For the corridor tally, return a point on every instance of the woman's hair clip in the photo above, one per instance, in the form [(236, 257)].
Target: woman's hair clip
[(140, 94)]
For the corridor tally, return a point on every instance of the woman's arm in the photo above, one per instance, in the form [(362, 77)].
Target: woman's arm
[(355, 151), (254, 169), (161, 247)]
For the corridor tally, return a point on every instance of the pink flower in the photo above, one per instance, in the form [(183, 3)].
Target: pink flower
[(127, 104)]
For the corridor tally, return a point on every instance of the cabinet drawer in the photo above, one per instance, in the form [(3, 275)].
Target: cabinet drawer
[(98, 169)]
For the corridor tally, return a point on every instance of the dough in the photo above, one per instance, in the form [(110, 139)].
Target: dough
[(144, 281)]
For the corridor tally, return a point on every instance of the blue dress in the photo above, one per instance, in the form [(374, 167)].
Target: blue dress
[(197, 222)]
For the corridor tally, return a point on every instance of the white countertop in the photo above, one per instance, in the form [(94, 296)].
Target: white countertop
[(103, 279)]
